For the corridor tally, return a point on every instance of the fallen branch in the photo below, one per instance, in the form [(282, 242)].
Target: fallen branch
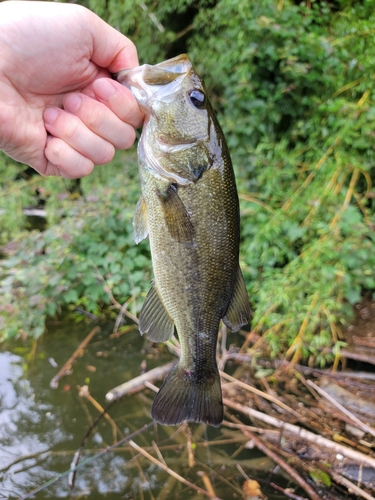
[(361, 458), (352, 488), (67, 368), (356, 421), (138, 383)]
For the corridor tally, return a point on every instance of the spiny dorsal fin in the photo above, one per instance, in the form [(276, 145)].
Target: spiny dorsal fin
[(239, 312), (154, 319), (140, 220), (176, 217)]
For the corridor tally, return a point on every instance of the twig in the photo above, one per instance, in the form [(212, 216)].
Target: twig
[(121, 314), (259, 393), (125, 329), (86, 313), (279, 461), (138, 383), (170, 471), (351, 486), (189, 446), (287, 493), (108, 290), (243, 357), (153, 18), (243, 473), (66, 369), (358, 356), (363, 426), (207, 483), (221, 478), (302, 433), (84, 393), (157, 451), (224, 351)]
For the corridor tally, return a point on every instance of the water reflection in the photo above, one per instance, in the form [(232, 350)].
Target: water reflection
[(41, 428)]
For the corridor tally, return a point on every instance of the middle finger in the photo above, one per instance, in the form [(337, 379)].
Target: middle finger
[(100, 120)]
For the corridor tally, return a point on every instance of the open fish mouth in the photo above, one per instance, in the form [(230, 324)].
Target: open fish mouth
[(159, 82)]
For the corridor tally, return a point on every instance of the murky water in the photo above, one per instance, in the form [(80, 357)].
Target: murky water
[(41, 428)]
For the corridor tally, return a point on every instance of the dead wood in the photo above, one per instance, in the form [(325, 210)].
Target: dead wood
[(302, 434), (138, 383), (67, 368)]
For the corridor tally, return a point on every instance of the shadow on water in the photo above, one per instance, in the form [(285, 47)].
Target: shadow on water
[(41, 428)]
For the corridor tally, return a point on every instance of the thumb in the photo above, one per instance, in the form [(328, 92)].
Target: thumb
[(111, 49)]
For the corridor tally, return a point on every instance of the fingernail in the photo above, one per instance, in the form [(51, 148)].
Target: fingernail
[(72, 102), (104, 89), (50, 115)]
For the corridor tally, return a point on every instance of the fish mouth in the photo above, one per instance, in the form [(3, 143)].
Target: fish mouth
[(160, 82)]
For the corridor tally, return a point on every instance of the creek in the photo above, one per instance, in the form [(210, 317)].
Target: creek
[(41, 428)]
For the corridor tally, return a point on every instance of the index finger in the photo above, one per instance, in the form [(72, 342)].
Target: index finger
[(118, 99)]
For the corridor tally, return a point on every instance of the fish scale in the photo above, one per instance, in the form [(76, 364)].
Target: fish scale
[(190, 210)]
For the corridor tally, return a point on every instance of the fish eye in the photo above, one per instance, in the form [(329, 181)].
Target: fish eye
[(197, 98)]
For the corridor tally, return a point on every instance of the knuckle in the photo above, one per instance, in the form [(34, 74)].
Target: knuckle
[(94, 117), (55, 150), (71, 129)]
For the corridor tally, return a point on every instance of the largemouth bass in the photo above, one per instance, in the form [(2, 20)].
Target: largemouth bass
[(189, 208)]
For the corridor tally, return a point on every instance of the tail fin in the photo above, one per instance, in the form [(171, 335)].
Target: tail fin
[(183, 398)]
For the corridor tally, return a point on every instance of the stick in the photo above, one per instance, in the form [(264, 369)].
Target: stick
[(351, 486), (259, 393), (207, 483), (362, 425), (279, 461), (138, 383), (85, 393), (170, 471), (66, 369), (302, 433), (288, 494)]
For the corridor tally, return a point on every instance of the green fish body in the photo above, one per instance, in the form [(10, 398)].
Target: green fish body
[(189, 208)]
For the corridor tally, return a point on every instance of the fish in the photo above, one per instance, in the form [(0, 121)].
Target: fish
[(189, 209)]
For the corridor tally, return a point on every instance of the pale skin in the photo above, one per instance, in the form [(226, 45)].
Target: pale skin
[(60, 111)]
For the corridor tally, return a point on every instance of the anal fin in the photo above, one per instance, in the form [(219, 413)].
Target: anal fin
[(154, 319), (239, 311)]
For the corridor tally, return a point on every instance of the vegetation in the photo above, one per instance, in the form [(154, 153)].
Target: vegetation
[(294, 89)]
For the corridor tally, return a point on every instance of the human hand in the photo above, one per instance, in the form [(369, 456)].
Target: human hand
[(55, 67)]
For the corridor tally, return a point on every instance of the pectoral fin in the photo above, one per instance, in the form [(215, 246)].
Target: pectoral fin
[(154, 320), (140, 221), (239, 312), (176, 217)]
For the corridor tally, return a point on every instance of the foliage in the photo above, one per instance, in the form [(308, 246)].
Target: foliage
[(294, 89), (81, 260), (296, 95)]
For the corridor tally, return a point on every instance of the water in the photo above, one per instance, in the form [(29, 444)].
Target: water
[(41, 428)]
